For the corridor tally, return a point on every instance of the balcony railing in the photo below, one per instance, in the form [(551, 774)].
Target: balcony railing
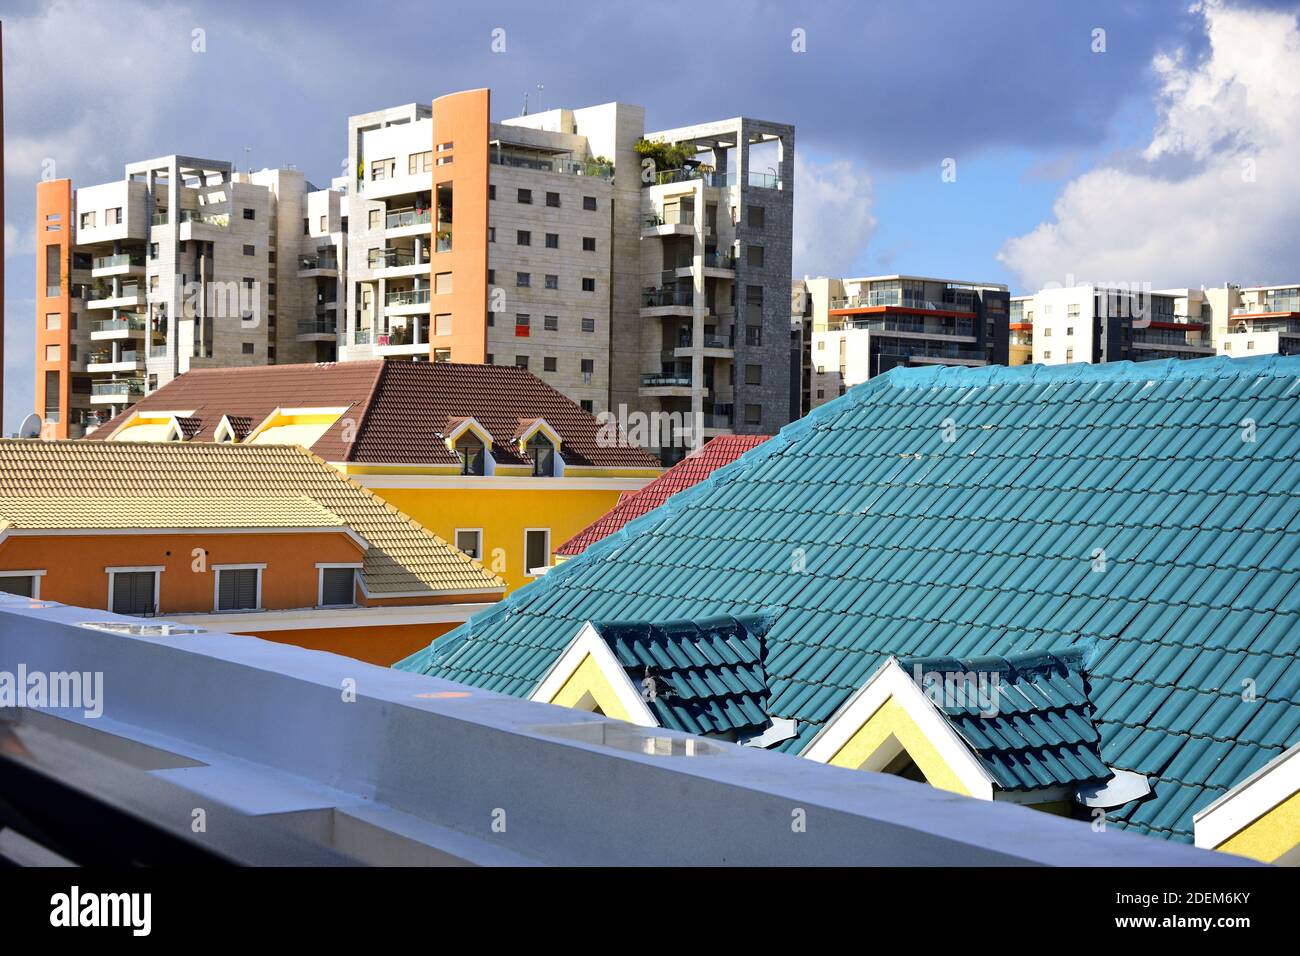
[(318, 327), (659, 380), (568, 167), (407, 217), (121, 259), (158, 351), (719, 260), (893, 297), (657, 298), (135, 323), (219, 219), (306, 263), (414, 333), (361, 336), (159, 219), (710, 342), (670, 217), (963, 327), (407, 297), (391, 259), (689, 173), (105, 357), (121, 387)]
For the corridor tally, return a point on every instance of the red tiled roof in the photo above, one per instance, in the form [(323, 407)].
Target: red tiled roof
[(691, 470), (400, 410)]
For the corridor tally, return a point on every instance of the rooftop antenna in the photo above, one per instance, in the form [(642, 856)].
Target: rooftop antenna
[(248, 158), (525, 112), (539, 98)]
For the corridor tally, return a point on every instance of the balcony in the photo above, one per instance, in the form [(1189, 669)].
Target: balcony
[(409, 339), (318, 330), (407, 218), (159, 219), (128, 360), (361, 336), (658, 302), (895, 298), (125, 263), (687, 174), (954, 329), (666, 385), (395, 263), (113, 393), (127, 297), (122, 327), (325, 266), (604, 171), (715, 346), (407, 302), (669, 222)]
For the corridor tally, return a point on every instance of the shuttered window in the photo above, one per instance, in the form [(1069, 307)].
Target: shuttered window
[(337, 587), (133, 592), (237, 589), (21, 584)]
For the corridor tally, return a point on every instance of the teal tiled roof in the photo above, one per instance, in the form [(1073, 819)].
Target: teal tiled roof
[(1033, 728), (970, 512)]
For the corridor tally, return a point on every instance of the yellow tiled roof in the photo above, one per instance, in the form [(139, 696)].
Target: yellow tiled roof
[(404, 556), (96, 512)]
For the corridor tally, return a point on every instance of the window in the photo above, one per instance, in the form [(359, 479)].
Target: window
[(492, 191), (53, 270), (753, 375), (52, 353), (753, 414), (523, 237), (589, 203), (472, 454), (588, 369), (553, 200), (492, 233), (443, 355), (248, 348), (589, 325), (250, 213), (22, 583), (53, 321), (548, 363), (552, 282), (523, 279), (420, 162), (1047, 354), (753, 335), (87, 220), (113, 217), (374, 219), (754, 257), (521, 361), (442, 323), (1047, 332), (552, 240), (488, 359), (133, 590), (756, 216), (588, 285), (239, 588), (442, 283), (470, 541), (492, 276), (542, 454), (250, 250), (551, 323), (338, 586), (1069, 330), (523, 324), (324, 223), (1069, 355), (537, 549), (525, 196), (1072, 310), (380, 169), (588, 243), (153, 250)]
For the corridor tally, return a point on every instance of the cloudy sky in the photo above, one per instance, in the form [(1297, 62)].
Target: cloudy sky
[(1106, 141)]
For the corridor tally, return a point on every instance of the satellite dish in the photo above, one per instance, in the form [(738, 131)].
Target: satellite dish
[(31, 426)]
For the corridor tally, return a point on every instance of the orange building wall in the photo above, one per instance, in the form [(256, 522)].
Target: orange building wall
[(74, 565), (54, 198), (462, 120), (374, 645)]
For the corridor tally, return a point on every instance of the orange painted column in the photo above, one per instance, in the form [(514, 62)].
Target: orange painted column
[(54, 298), (460, 157)]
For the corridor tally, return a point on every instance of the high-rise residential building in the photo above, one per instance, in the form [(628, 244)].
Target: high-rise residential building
[(1258, 320), (638, 272), (182, 263), (858, 328)]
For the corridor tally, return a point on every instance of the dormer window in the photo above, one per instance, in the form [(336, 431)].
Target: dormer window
[(542, 453), (472, 454)]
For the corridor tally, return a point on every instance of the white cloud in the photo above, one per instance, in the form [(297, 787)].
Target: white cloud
[(832, 216), (1214, 196)]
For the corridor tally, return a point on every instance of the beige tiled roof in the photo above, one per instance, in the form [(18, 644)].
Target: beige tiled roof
[(404, 557), (112, 512)]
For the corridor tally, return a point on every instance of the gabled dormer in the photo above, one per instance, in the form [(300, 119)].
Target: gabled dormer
[(470, 442), (540, 443)]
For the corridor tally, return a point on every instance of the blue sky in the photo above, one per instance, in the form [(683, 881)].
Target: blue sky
[(1045, 132)]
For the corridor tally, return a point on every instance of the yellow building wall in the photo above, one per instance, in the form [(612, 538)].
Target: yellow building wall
[(892, 720), (589, 679), (1272, 835), (503, 515)]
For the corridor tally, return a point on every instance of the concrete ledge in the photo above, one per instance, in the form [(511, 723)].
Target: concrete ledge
[(472, 776)]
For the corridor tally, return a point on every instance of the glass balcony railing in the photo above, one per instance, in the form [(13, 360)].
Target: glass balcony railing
[(686, 174), (407, 217), (407, 297), (121, 259), (318, 327), (670, 217), (719, 260), (159, 218), (157, 351), (661, 380), (106, 357), (134, 323), (361, 336), (121, 387), (306, 263), (391, 258), (412, 333), (657, 298), (542, 164), (710, 342)]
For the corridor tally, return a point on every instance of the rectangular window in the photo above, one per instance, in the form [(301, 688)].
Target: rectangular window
[(442, 283), (523, 237), (552, 282), (754, 257), (521, 361), (53, 321), (444, 355), (492, 233), (588, 369), (248, 348), (324, 223), (420, 162), (53, 270), (588, 285), (588, 243), (756, 216), (589, 325), (470, 541), (587, 405), (113, 217), (553, 200), (589, 203), (24, 585), (753, 414), (523, 279), (548, 363), (250, 250), (133, 591), (374, 219), (52, 353), (522, 324), (525, 196), (87, 220), (753, 335), (338, 587), (753, 375), (238, 589), (537, 549), (442, 324), (492, 191), (250, 213), (552, 240), (551, 323)]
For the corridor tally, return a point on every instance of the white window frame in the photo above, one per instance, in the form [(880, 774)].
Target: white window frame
[(157, 570), (455, 541), (34, 575), (528, 571), (216, 587), (321, 568)]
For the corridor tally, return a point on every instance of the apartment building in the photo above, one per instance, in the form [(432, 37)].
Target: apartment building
[(1257, 320), (657, 290), (182, 263), (858, 328)]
